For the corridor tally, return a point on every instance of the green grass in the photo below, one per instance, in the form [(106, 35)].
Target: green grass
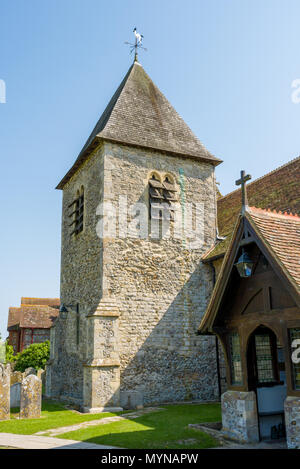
[(163, 429), (53, 415), (159, 430)]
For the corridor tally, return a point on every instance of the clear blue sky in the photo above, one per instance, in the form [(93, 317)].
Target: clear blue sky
[(226, 66)]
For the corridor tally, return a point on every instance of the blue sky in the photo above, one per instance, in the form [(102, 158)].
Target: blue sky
[(226, 65)]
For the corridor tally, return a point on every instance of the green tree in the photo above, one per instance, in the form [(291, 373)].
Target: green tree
[(10, 357), (35, 356)]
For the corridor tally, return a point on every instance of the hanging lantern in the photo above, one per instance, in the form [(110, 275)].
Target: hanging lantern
[(63, 312), (245, 265)]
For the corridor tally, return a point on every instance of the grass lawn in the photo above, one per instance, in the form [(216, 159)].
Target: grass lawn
[(158, 430), (54, 415)]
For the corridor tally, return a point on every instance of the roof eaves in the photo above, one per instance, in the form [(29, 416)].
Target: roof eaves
[(102, 138), (209, 316), (289, 278)]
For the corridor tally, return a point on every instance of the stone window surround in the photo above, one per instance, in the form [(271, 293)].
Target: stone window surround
[(162, 177)]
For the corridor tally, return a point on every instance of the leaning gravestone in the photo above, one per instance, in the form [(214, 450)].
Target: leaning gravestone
[(31, 397), (4, 392)]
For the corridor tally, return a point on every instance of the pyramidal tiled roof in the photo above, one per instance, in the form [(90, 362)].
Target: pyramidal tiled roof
[(139, 114)]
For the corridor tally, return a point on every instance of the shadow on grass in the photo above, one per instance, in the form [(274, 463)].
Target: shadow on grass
[(167, 429), (54, 415)]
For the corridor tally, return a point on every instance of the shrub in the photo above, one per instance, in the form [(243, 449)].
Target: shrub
[(9, 354), (35, 356)]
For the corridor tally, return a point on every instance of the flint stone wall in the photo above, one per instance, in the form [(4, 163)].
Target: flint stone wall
[(292, 422), (239, 416), (161, 289)]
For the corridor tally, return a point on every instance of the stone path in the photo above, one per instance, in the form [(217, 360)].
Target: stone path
[(104, 421), (44, 442)]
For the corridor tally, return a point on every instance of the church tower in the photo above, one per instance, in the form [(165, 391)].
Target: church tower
[(139, 212)]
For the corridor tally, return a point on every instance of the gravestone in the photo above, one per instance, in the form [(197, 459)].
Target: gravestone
[(29, 371), (15, 395), (31, 397), (16, 377), (4, 392), (40, 374)]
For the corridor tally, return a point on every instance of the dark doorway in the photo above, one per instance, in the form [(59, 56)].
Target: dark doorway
[(266, 376)]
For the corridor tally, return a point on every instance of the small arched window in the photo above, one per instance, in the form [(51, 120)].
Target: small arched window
[(77, 209), (161, 196)]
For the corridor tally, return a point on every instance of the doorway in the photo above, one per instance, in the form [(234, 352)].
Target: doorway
[(267, 378)]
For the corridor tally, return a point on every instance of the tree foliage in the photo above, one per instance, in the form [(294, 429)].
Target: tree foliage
[(9, 353), (35, 356)]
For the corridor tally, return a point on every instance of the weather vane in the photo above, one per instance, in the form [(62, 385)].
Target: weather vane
[(137, 44)]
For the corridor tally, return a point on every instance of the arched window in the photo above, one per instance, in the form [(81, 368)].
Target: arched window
[(235, 359), (77, 209), (162, 193)]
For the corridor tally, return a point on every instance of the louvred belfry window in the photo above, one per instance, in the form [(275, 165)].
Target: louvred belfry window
[(161, 196), (76, 213)]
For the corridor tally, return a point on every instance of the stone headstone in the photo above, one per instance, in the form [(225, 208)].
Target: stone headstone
[(31, 397), (40, 373), (15, 395), (29, 371), (2, 351), (4, 392), (16, 377)]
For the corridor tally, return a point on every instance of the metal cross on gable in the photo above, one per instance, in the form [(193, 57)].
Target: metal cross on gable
[(242, 182)]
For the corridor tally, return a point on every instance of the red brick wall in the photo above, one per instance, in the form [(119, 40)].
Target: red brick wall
[(278, 190), (14, 340), (34, 336)]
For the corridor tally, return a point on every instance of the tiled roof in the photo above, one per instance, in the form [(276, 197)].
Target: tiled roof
[(278, 190), (282, 233), (54, 302), (38, 316), (139, 114), (279, 234), (30, 315), (13, 317)]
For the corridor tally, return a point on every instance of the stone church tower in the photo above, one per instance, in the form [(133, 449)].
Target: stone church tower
[(132, 299)]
